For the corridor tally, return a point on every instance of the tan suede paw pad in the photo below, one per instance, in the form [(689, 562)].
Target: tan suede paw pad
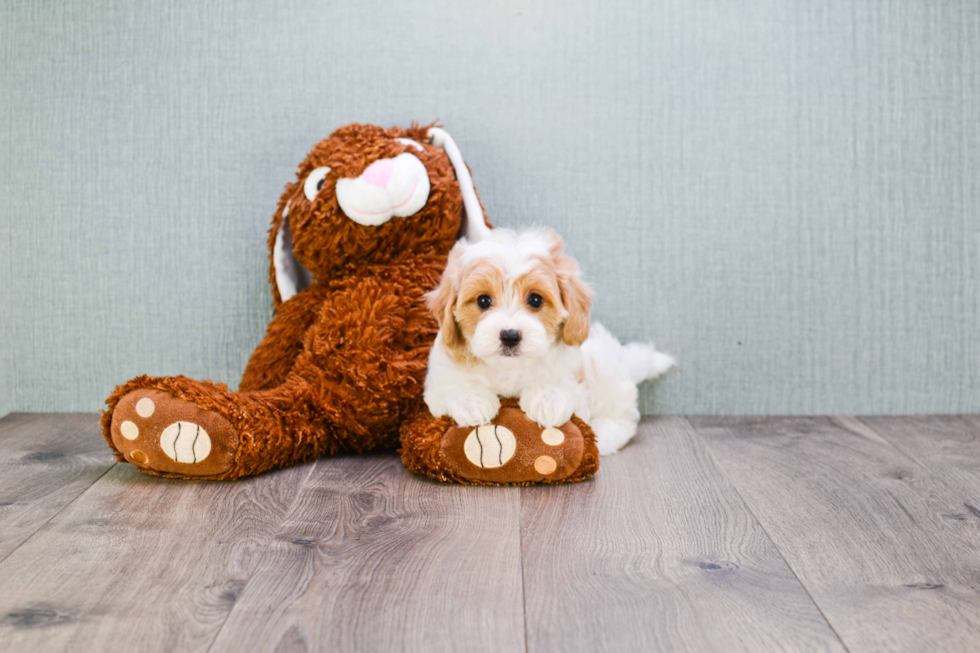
[(156, 431)]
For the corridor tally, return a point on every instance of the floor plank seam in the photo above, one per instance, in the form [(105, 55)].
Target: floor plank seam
[(910, 456), (258, 563), (520, 541), (59, 511), (782, 556)]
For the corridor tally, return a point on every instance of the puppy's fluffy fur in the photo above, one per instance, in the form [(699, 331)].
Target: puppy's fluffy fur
[(513, 314)]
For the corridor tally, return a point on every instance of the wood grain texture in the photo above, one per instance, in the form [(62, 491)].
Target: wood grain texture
[(735, 534), (949, 446), (877, 540), (141, 563), (658, 553), (45, 463), (373, 558)]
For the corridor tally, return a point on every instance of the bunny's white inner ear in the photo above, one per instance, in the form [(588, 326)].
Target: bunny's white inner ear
[(291, 276), (475, 227)]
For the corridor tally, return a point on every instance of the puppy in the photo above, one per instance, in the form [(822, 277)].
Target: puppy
[(513, 318)]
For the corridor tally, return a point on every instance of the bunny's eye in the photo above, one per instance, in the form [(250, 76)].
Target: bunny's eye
[(314, 182)]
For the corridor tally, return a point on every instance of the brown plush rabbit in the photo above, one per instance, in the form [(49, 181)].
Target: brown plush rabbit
[(358, 238)]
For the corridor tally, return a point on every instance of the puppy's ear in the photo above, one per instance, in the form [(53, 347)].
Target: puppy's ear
[(442, 300), (575, 295)]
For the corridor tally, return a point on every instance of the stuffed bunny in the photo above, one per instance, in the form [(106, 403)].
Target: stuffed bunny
[(358, 238)]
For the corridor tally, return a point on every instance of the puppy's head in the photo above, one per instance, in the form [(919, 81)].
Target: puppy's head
[(511, 297)]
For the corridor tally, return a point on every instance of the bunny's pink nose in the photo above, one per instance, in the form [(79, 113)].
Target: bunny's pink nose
[(379, 172)]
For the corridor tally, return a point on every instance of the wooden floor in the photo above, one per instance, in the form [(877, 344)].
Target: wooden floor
[(705, 534)]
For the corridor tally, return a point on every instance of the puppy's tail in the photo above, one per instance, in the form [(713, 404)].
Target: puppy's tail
[(613, 371), (644, 362), (641, 360)]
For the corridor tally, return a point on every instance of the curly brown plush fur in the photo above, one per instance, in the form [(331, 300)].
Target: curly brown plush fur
[(343, 362)]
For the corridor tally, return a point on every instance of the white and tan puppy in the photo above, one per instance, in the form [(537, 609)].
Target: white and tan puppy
[(513, 314)]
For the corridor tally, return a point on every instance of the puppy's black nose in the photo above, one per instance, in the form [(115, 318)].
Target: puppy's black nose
[(510, 337)]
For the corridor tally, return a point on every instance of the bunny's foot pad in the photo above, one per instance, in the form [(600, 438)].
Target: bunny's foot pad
[(510, 450), (167, 436)]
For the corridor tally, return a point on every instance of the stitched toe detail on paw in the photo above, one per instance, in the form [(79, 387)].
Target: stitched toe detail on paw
[(185, 442), (513, 449), (158, 432), (490, 446)]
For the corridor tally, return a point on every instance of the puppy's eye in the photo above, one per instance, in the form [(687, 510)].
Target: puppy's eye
[(484, 302), (535, 300), (314, 182)]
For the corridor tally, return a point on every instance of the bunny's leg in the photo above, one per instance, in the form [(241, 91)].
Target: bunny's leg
[(283, 343), (359, 372)]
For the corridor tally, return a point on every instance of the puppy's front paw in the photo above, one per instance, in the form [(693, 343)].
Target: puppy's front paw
[(472, 409), (548, 406)]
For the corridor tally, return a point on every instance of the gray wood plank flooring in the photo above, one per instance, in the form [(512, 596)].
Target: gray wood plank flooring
[(724, 534), (140, 563), (45, 463), (373, 558), (870, 533), (659, 554), (948, 446)]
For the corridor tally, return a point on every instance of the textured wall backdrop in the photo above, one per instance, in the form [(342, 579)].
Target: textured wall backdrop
[(784, 194)]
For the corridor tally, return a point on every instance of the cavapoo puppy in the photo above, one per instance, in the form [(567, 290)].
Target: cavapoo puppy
[(513, 314)]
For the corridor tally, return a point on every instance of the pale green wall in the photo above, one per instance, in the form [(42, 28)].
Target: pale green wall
[(785, 194)]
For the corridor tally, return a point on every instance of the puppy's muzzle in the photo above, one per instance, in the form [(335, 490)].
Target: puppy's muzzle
[(510, 339)]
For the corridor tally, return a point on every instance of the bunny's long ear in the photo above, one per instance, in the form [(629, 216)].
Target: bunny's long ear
[(290, 275), (475, 227)]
